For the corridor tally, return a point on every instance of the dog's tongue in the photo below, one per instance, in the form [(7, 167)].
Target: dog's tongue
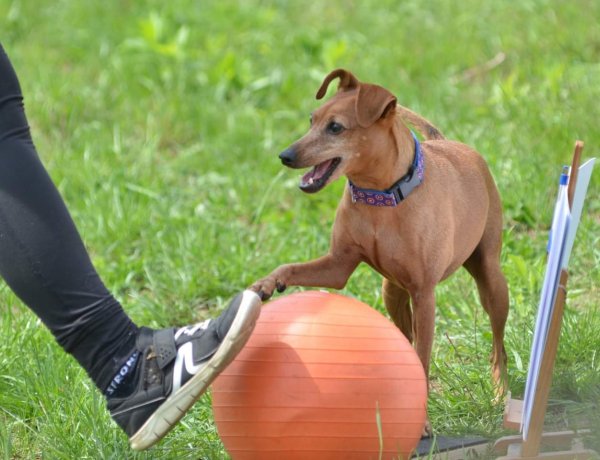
[(316, 173)]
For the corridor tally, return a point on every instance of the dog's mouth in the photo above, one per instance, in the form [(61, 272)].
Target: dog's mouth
[(315, 179)]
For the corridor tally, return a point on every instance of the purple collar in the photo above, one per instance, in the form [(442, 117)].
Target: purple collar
[(397, 192)]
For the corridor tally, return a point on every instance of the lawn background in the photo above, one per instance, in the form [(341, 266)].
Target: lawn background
[(160, 123)]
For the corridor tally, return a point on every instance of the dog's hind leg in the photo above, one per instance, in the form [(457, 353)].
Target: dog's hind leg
[(397, 303), (484, 266)]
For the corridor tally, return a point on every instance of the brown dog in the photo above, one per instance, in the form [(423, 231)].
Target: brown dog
[(444, 211)]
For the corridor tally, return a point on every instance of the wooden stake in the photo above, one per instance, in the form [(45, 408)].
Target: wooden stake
[(574, 171), (531, 446)]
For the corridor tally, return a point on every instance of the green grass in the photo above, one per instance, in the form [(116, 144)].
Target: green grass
[(160, 123)]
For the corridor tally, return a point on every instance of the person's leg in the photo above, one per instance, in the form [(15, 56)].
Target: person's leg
[(150, 377), (42, 257)]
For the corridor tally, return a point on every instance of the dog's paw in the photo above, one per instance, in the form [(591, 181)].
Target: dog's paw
[(262, 291), (427, 430), (280, 286), (265, 287)]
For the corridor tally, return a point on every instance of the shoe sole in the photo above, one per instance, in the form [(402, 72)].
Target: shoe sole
[(174, 408)]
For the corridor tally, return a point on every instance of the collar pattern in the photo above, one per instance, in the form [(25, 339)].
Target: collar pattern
[(398, 192)]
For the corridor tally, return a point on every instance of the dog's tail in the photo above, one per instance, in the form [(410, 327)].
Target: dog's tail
[(422, 125)]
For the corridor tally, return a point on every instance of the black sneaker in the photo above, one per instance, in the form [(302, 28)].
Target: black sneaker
[(177, 365)]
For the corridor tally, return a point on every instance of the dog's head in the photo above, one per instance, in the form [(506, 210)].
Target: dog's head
[(343, 131)]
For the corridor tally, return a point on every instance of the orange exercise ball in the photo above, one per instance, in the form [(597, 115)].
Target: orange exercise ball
[(323, 376)]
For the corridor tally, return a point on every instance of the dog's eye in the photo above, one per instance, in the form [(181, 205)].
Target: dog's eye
[(334, 128)]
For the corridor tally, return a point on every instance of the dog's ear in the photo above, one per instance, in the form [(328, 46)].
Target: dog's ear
[(372, 103), (347, 81)]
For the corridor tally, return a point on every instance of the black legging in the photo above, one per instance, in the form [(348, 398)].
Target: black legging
[(42, 257)]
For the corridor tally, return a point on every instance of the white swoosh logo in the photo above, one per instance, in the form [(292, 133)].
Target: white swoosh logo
[(185, 357)]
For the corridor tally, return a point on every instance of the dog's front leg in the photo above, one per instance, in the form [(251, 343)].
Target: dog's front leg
[(330, 271), (424, 327)]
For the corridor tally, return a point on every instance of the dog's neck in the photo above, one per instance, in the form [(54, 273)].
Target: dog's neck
[(397, 189), (386, 159)]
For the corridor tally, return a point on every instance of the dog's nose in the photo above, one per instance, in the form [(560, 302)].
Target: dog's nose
[(288, 156)]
